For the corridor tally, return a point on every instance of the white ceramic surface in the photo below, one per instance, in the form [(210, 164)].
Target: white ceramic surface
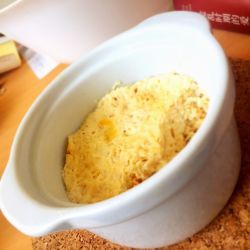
[(64, 30), (174, 203)]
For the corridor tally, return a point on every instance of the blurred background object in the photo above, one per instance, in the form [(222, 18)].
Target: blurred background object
[(64, 30), (41, 65), (223, 14)]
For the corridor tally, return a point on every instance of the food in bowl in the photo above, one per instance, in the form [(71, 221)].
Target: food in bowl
[(132, 133)]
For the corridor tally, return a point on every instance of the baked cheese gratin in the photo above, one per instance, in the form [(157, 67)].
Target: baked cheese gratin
[(132, 133)]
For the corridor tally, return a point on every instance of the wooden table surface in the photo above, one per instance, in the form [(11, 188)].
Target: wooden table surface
[(20, 87)]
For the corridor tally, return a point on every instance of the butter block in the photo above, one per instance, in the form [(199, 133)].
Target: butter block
[(9, 57)]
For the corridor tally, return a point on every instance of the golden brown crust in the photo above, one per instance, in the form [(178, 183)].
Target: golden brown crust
[(154, 117)]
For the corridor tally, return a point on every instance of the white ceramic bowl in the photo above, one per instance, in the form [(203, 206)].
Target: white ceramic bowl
[(171, 205)]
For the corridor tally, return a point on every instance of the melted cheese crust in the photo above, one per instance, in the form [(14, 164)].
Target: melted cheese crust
[(132, 133)]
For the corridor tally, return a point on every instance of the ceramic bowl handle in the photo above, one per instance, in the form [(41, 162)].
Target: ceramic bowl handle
[(180, 18), (30, 215)]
